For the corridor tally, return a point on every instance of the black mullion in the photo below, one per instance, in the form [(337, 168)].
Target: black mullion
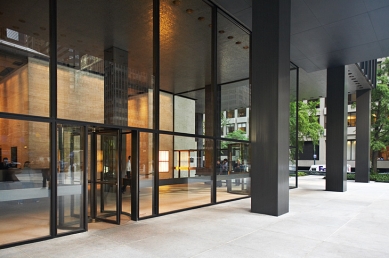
[(53, 114), (156, 73), (85, 180), (216, 98)]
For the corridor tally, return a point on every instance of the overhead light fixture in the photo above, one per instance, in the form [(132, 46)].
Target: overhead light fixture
[(176, 2), (238, 42), (201, 18), (189, 11), (230, 37), (245, 47), (221, 31)]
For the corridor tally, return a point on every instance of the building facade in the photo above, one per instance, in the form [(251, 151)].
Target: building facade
[(113, 110)]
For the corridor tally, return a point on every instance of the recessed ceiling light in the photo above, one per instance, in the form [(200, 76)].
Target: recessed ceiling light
[(221, 31), (189, 10), (22, 21), (238, 42), (201, 18), (176, 2), (245, 47), (230, 37)]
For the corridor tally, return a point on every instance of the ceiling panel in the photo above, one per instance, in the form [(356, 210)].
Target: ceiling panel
[(352, 31), (328, 11), (380, 21)]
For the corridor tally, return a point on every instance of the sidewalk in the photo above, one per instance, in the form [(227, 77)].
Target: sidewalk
[(319, 224)]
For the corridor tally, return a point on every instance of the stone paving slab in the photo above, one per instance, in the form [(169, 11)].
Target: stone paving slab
[(319, 224)]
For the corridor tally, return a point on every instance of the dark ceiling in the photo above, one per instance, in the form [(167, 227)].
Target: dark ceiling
[(327, 33)]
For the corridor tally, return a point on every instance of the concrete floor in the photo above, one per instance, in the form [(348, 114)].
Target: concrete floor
[(319, 224)]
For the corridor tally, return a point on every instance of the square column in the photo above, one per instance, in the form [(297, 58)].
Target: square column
[(336, 171), (116, 86), (269, 125), (362, 158)]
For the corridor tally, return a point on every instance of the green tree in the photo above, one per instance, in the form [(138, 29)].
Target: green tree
[(308, 128), (236, 135), (379, 137)]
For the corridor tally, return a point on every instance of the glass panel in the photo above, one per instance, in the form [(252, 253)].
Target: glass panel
[(24, 57), (293, 141), (185, 169), (146, 174), (232, 170), (24, 180), (126, 175), (233, 54), (105, 68), (186, 102), (107, 175), (235, 96), (70, 177)]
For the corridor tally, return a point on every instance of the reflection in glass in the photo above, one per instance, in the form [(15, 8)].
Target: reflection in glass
[(185, 79), (187, 181), (24, 58), (24, 180), (293, 141), (104, 70), (146, 174), (70, 181), (233, 168)]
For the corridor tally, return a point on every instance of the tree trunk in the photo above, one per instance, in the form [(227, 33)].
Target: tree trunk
[(374, 162)]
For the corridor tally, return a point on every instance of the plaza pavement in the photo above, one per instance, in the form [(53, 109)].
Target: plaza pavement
[(353, 224)]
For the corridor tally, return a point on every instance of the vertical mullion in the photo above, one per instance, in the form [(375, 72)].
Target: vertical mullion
[(216, 97), (85, 180), (53, 113), (156, 74)]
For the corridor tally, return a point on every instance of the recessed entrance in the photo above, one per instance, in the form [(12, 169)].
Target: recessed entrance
[(107, 176)]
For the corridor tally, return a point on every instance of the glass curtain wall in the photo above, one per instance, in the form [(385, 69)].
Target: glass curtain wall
[(184, 178), (186, 105), (233, 63), (70, 178), (24, 180), (293, 141), (105, 62), (146, 174), (24, 145), (185, 76)]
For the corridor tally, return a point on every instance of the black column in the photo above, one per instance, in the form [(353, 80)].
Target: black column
[(269, 128), (116, 86), (336, 130), (362, 157)]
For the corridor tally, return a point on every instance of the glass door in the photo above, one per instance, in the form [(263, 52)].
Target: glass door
[(104, 176)]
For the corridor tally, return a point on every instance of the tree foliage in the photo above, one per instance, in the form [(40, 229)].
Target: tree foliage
[(379, 137), (309, 127), (236, 135)]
